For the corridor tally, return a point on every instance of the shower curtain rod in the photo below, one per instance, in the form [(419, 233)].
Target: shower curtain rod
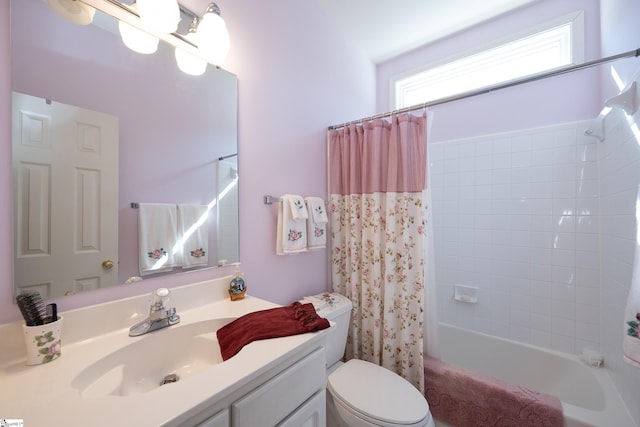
[(472, 93)]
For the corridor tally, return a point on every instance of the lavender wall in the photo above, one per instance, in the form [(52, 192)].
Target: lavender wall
[(7, 310), (297, 75), (554, 100)]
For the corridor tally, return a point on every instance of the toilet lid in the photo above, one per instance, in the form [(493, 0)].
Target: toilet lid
[(377, 393)]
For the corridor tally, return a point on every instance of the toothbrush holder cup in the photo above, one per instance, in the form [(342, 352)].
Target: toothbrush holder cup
[(43, 342)]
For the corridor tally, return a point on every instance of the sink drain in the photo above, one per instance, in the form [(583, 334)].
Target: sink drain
[(171, 378)]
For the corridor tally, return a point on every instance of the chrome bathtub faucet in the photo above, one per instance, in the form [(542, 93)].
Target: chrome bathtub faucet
[(159, 316)]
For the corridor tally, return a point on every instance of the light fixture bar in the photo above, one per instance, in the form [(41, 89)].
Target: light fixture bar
[(126, 14)]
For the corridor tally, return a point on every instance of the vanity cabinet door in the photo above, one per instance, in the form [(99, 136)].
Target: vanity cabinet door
[(274, 400), (221, 419), (311, 414)]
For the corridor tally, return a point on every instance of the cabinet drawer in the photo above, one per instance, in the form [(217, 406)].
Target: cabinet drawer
[(221, 419), (311, 414), (281, 395)]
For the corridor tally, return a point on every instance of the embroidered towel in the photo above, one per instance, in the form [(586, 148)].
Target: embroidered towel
[(316, 223), (298, 208), (631, 339), (291, 232), (157, 235), (294, 319), (193, 229)]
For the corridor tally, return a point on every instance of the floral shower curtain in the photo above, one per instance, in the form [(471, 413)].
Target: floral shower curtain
[(377, 174)]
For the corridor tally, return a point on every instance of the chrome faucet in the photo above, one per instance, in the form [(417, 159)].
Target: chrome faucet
[(159, 316)]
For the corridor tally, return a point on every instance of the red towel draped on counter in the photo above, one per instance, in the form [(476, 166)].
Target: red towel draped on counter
[(294, 319)]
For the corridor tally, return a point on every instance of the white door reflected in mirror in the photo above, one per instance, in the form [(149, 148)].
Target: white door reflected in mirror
[(65, 169)]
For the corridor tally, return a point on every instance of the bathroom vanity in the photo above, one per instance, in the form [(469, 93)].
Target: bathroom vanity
[(104, 377)]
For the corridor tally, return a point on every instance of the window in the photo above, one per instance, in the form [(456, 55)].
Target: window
[(544, 48)]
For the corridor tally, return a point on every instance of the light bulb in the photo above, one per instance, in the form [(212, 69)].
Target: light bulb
[(213, 37), (162, 16), (72, 10), (136, 39), (188, 62)]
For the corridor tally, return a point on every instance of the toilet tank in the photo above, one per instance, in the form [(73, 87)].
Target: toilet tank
[(337, 309)]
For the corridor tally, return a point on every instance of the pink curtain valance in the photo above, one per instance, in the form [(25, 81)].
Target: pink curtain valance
[(379, 156)]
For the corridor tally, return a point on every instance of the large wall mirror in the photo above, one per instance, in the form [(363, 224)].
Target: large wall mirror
[(174, 138)]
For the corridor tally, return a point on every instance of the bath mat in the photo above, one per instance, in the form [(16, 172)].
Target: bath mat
[(463, 398)]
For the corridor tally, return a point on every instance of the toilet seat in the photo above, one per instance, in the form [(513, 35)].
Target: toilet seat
[(377, 395)]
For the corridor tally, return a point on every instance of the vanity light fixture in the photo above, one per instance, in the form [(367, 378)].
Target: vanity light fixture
[(210, 41), (188, 62), (73, 10)]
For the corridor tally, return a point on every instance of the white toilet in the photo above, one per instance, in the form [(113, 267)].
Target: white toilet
[(359, 393)]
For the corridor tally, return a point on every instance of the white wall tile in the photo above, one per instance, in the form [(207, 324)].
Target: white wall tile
[(542, 157), (586, 259), (565, 223), (563, 326), (587, 224), (563, 343), (521, 159), (590, 206), (518, 216), (564, 258), (564, 241), (451, 165), (588, 277), (587, 188), (587, 242), (563, 274), (484, 162), (587, 152), (541, 223), (541, 207), (564, 189), (565, 155), (587, 170)]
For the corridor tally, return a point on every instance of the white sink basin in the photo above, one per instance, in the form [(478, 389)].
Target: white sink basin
[(142, 365)]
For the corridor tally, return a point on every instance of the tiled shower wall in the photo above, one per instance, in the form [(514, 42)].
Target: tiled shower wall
[(516, 215)]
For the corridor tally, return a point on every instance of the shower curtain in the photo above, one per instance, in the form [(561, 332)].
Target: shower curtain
[(377, 177)]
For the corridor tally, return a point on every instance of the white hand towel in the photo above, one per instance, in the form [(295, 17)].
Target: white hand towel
[(291, 232), (317, 223), (631, 339), (193, 229), (157, 235), (298, 208)]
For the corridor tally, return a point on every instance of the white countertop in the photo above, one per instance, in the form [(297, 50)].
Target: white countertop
[(44, 396)]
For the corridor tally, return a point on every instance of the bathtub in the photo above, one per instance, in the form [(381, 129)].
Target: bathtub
[(588, 396)]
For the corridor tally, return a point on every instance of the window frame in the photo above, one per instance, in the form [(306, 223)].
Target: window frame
[(577, 52)]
